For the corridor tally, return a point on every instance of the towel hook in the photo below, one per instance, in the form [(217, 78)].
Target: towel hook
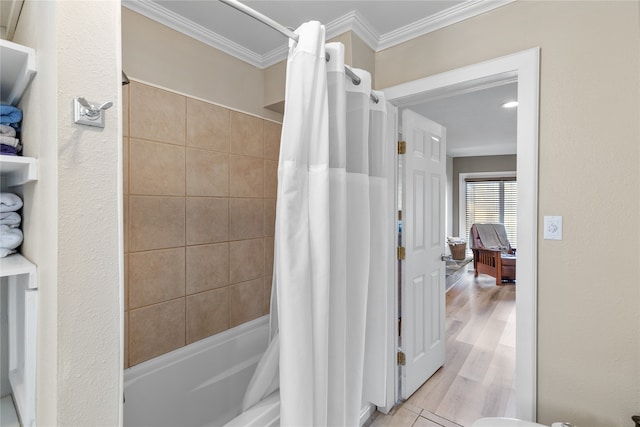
[(86, 113)]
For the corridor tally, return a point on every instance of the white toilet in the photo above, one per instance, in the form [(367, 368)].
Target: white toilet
[(504, 422)]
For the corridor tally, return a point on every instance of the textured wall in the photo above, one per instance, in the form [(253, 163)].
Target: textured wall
[(73, 213)]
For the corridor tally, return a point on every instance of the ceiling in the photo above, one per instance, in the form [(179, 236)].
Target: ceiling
[(476, 125), (382, 16)]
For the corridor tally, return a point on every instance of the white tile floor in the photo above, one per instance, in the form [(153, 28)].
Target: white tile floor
[(408, 415)]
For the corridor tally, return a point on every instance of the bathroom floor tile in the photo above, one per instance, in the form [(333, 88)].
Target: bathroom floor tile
[(400, 417)]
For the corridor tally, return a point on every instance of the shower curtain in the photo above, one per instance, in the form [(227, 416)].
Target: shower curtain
[(322, 254)]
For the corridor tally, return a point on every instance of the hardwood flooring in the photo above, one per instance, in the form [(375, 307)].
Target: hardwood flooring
[(477, 378)]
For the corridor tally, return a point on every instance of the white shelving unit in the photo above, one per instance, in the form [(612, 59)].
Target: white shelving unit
[(17, 265), (18, 66), (23, 308), (18, 170)]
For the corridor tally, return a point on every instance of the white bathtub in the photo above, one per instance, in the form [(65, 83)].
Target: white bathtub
[(201, 384)]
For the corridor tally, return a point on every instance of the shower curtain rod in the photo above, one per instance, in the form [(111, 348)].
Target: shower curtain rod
[(287, 32)]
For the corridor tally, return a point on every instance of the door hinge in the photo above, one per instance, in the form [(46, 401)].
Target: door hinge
[(402, 147), (401, 252), (402, 360), (399, 215)]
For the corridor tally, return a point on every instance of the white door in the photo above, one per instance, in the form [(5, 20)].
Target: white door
[(422, 332)]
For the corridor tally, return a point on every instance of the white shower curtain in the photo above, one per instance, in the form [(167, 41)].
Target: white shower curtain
[(382, 207), (350, 236), (323, 238)]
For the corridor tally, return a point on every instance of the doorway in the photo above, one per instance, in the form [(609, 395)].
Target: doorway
[(523, 67)]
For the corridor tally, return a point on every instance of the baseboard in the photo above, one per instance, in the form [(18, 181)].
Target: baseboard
[(367, 411)]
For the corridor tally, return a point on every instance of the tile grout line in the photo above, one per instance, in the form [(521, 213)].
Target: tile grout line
[(229, 196), (185, 137)]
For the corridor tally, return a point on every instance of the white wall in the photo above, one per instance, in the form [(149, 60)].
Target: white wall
[(72, 215)]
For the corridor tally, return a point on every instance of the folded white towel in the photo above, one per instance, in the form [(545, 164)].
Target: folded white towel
[(10, 238), (12, 219), (4, 252), (10, 141), (10, 202), (7, 130)]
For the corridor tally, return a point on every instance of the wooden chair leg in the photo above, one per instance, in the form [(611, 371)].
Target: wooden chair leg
[(475, 263)]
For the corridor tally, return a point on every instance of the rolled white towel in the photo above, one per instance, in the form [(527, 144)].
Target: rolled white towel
[(12, 219), (4, 252), (10, 202), (10, 238), (7, 130), (10, 141)]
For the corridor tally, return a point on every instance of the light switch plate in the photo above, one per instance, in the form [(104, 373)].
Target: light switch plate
[(553, 228)]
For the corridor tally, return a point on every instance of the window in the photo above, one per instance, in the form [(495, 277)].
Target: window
[(493, 200)]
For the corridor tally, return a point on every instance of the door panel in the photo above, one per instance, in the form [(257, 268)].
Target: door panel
[(423, 281)]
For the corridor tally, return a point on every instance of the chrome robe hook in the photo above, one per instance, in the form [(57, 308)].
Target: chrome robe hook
[(86, 113)]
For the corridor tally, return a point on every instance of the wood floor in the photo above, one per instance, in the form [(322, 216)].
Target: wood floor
[(477, 378)]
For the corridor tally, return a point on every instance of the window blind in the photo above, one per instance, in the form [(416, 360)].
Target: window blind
[(493, 200)]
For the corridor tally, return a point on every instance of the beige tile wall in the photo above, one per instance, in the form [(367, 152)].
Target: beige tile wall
[(199, 211)]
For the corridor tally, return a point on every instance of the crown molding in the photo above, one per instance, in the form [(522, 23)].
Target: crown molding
[(176, 22), (447, 17), (274, 56), (351, 21), (355, 22)]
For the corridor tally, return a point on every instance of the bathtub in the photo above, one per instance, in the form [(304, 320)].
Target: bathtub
[(201, 384)]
